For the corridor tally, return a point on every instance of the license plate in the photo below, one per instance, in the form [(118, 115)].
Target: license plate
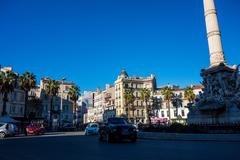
[(125, 132)]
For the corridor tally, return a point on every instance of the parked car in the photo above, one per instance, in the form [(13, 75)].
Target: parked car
[(68, 127), (7, 129), (92, 129), (35, 129), (117, 129)]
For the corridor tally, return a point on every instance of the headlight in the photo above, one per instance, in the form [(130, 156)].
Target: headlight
[(134, 129), (114, 129)]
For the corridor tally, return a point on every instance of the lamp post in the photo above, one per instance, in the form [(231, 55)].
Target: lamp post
[(61, 103)]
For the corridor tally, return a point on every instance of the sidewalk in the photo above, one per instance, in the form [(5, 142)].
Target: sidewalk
[(189, 137), (49, 134)]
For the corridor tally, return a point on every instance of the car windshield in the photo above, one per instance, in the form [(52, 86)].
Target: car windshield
[(1, 124), (117, 121), (94, 126)]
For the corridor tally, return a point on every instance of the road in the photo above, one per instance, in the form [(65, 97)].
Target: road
[(74, 146)]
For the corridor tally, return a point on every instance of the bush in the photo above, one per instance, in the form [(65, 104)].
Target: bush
[(177, 127)]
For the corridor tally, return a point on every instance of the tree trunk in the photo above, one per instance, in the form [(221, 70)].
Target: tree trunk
[(169, 111), (5, 99), (26, 101), (147, 113), (177, 113), (51, 110), (75, 113), (128, 112)]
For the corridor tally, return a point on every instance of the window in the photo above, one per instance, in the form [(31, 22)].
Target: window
[(15, 96), (66, 88), (136, 94), (56, 107), (137, 112), (162, 114), (142, 113), (133, 85), (66, 117), (168, 113), (183, 113), (1, 124), (137, 103), (46, 108), (175, 113)]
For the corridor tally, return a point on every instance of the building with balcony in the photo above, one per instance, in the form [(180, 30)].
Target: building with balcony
[(135, 84)]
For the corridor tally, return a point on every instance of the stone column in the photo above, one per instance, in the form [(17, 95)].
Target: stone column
[(213, 34)]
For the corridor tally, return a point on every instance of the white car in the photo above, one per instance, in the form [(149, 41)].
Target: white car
[(7, 129), (92, 129)]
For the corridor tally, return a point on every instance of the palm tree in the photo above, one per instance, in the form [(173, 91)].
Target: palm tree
[(129, 100), (189, 94), (146, 96), (156, 104), (74, 94), (27, 82), (7, 85), (168, 94), (177, 102), (52, 87)]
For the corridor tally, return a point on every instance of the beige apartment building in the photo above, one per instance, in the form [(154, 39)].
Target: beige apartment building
[(134, 83)]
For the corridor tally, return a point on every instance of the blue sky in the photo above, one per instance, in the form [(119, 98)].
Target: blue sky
[(90, 41)]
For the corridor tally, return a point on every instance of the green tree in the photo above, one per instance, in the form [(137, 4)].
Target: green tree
[(145, 96), (129, 100), (156, 104), (7, 85), (177, 102), (52, 87), (74, 93), (27, 82), (167, 92), (189, 94)]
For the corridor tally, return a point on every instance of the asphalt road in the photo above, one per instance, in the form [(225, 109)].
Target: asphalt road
[(74, 146)]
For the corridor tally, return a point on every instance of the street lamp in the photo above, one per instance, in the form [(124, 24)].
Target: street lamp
[(61, 103)]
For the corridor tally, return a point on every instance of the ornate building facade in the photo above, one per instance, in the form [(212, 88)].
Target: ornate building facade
[(136, 84)]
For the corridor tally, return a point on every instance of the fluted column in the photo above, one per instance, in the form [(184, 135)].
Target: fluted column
[(213, 34)]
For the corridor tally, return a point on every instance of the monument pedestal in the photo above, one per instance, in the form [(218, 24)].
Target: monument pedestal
[(220, 101)]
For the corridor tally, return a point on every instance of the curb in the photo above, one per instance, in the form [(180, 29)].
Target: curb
[(189, 137)]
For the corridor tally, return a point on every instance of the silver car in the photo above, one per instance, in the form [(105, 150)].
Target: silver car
[(7, 129), (92, 129)]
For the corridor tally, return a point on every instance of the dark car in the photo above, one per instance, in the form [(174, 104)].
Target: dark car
[(68, 127), (117, 129)]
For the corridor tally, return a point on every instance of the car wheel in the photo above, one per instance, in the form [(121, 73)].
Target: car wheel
[(108, 138), (2, 135), (133, 140), (100, 137)]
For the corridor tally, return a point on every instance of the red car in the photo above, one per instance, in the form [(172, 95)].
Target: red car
[(35, 129)]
